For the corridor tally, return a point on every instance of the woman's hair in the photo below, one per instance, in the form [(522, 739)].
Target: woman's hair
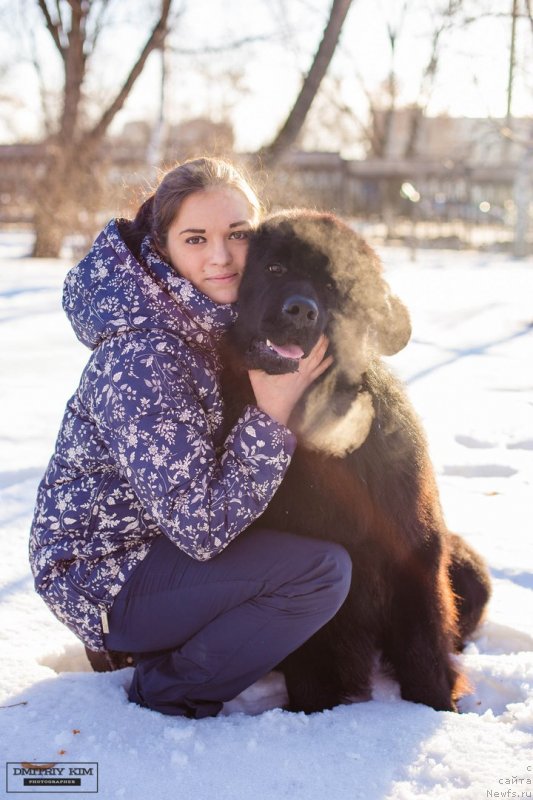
[(158, 211)]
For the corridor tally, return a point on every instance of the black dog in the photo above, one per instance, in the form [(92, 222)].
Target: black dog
[(361, 475)]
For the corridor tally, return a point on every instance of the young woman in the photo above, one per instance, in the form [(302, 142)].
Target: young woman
[(139, 541)]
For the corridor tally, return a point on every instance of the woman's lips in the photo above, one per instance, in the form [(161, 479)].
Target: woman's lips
[(223, 278)]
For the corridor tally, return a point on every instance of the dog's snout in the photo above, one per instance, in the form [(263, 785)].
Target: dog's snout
[(302, 310)]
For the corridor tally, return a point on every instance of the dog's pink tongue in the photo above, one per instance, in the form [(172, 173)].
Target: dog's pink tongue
[(287, 350)]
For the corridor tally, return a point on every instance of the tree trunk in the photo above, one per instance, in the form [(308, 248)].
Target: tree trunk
[(68, 176), (49, 232), (294, 122), (56, 197)]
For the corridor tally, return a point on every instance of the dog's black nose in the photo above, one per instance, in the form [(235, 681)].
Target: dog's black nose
[(302, 310)]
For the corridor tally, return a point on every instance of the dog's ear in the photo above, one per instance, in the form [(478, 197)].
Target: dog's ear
[(388, 318), (382, 318), (392, 324)]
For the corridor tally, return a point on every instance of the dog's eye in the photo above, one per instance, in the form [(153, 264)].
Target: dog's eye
[(276, 269), (330, 287)]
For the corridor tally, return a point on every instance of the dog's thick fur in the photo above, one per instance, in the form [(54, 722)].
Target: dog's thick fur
[(361, 475)]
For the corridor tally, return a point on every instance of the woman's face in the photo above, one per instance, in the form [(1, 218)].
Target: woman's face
[(208, 240)]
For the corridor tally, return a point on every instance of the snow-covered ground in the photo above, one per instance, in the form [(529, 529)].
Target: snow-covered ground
[(469, 368)]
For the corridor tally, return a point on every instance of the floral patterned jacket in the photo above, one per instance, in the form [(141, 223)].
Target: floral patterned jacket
[(140, 451)]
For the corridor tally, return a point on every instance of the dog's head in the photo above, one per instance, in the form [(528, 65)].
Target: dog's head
[(309, 273)]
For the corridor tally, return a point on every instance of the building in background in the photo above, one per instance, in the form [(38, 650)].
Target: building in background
[(462, 175)]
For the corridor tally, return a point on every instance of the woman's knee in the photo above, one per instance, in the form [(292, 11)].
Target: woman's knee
[(339, 564), (304, 563)]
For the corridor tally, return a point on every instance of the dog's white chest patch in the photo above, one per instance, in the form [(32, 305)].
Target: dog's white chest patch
[(321, 429)]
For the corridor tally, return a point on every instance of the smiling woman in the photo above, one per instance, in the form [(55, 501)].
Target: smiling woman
[(207, 241), (136, 543)]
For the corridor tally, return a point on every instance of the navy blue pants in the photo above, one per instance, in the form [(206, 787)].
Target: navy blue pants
[(203, 631)]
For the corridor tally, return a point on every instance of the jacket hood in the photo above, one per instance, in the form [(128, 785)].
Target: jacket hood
[(111, 292)]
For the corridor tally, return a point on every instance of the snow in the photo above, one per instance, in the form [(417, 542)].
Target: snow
[(468, 370)]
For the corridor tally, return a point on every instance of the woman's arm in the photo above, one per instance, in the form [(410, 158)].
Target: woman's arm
[(144, 402)]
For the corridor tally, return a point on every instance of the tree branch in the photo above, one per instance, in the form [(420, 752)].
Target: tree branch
[(421, 103), (98, 25), (346, 111), (53, 28), (223, 48), (48, 125), (155, 41), (293, 124)]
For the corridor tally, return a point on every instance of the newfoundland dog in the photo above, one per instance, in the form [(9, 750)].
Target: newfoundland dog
[(360, 475)]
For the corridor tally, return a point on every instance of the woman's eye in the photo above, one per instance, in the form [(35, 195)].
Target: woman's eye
[(276, 269), (239, 235), (195, 240)]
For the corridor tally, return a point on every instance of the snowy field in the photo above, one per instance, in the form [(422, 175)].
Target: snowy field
[(469, 369)]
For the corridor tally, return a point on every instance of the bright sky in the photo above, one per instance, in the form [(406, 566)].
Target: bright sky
[(471, 81)]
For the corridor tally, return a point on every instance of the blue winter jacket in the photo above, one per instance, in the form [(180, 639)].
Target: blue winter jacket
[(140, 452)]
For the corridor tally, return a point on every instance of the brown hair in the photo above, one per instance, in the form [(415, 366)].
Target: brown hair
[(158, 211)]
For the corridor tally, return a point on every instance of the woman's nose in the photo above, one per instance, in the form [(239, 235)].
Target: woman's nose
[(219, 252)]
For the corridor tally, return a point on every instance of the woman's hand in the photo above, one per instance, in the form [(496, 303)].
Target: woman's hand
[(277, 395)]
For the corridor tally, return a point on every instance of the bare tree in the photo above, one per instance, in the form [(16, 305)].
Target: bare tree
[(311, 84), (419, 108), (383, 109), (376, 130), (384, 135), (74, 27), (529, 12)]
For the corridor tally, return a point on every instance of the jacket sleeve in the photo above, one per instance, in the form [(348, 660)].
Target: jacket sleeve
[(150, 414)]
